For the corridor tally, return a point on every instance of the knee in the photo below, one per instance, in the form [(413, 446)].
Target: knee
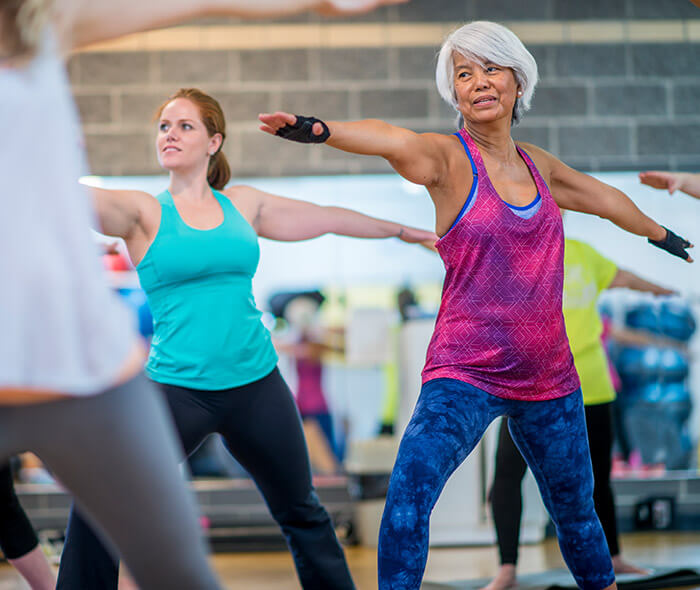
[(408, 506), (195, 574), (9, 503), (578, 519), (295, 513), (10, 508), (509, 482), (402, 516), (602, 489)]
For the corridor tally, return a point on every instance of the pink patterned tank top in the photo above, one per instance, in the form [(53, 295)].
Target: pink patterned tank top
[(500, 326)]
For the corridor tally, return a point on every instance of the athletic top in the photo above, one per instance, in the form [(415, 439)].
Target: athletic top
[(207, 332), (62, 329), (500, 325), (586, 274)]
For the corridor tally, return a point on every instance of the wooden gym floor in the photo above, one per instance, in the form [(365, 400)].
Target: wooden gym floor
[(274, 571)]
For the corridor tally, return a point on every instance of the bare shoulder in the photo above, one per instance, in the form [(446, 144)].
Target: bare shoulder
[(457, 173), (242, 194), (454, 157), (246, 199), (144, 200), (440, 138), (123, 197), (535, 152), (443, 141), (148, 209), (545, 162)]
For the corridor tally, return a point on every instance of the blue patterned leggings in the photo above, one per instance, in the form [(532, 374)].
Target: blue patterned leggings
[(449, 420)]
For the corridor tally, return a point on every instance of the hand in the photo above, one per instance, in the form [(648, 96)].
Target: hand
[(273, 122), (413, 235), (674, 244), (345, 7), (430, 245), (671, 181), (659, 291)]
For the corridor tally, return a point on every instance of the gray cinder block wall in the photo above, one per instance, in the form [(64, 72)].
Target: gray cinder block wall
[(619, 90)]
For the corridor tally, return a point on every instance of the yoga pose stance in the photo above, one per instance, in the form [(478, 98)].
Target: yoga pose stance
[(586, 274), (195, 247), (71, 387), (499, 346)]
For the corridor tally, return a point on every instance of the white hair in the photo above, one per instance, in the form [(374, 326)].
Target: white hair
[(482, 42)]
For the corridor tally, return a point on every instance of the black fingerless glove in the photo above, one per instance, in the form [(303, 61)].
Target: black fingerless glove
[(672, 243), (302, 130)]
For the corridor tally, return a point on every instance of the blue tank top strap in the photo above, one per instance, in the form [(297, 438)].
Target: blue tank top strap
[(475, 182), (469, 154)]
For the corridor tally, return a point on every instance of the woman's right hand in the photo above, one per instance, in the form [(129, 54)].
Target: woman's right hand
[(273, 122)]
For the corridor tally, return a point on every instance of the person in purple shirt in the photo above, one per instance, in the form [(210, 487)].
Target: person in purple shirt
[(499, 345)]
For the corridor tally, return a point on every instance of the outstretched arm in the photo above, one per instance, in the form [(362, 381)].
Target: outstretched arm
[(629, 280), (290, 220), (119, 212), (580, 192), (310, 350), (90, 21), (672, 181), (418, 157), (632, 337)]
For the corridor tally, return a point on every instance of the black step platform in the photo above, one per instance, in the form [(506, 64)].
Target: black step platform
[(237, 515)]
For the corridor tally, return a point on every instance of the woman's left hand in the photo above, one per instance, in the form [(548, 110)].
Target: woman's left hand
[(413, 235)]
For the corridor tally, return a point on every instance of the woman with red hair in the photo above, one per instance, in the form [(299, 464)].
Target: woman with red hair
[(195, 248)]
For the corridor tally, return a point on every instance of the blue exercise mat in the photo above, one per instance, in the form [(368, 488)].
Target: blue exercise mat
[(660, 577)]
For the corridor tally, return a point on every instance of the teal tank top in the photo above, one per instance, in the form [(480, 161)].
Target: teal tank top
[(207, 332)]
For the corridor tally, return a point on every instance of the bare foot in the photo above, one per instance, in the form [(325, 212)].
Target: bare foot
[(622, 567), (505, 579)]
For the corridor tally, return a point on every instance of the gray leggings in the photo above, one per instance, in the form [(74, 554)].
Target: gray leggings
[(117, 454)]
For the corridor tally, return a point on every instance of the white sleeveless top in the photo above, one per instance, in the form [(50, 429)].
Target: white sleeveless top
[(61, 327)]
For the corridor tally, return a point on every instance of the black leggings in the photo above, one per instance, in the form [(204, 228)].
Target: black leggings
[(261, 428), (506, 496), (17, 537)]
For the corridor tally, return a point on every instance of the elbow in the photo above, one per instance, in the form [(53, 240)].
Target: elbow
[(326, 219)]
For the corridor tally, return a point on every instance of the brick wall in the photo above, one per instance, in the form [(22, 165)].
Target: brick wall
[(619, 90)]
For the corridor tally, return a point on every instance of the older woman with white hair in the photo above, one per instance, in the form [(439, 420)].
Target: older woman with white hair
[(499, 346)]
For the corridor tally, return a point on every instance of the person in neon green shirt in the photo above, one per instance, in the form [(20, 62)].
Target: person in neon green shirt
[(586, 274)]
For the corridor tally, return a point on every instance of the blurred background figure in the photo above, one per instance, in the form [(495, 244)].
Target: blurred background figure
[(306, 341)]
